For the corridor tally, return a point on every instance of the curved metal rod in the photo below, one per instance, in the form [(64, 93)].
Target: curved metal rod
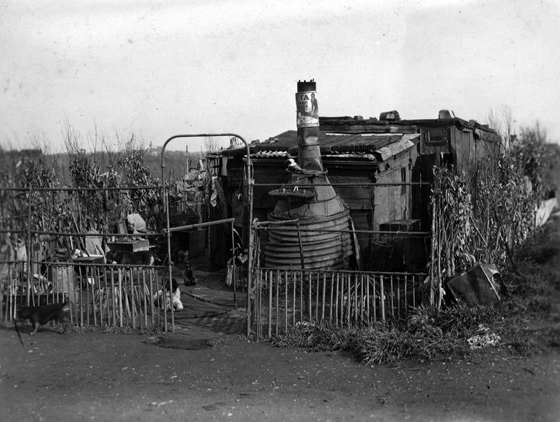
[(249, 178), (200, 135)]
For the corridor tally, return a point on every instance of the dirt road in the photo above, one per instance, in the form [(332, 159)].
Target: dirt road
[(110, 377)]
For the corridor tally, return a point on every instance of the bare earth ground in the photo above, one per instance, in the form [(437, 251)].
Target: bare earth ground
[(205, 373)]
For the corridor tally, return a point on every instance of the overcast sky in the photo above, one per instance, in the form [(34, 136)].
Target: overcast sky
[(161, 68)]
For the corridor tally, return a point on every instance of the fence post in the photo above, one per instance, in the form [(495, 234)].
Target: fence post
[(382, 294), (277, 300), (269, 279), (433, 252), (28, 246), (324, 288)]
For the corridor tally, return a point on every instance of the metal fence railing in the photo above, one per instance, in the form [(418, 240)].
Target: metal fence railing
[(282, 298)]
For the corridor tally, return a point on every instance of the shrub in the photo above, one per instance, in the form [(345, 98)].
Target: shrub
[(428, 333), (316, 337)]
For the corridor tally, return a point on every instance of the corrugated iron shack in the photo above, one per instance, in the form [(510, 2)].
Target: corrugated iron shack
[(375, 165), (354, 160)]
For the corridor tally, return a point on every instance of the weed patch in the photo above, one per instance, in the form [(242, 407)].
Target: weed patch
[(429, 333)]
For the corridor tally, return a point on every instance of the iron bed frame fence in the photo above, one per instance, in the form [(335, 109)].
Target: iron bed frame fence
[(283, 298), (114, 296)]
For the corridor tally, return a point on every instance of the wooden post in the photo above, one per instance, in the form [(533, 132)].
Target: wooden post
[(382, 294), (433, 252), (29, 247)]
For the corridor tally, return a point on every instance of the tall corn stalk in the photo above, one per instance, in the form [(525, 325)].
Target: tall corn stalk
[(483, 214)]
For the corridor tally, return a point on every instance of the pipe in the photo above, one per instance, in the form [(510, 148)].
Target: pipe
[(356, 185), (198, 225), (80, 189), (82, 234)]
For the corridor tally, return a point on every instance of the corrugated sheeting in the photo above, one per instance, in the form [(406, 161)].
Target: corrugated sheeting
[(291, 249), (329, 143), (270, 154)]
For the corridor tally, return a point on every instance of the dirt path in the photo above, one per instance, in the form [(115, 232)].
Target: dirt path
[(96, 376)]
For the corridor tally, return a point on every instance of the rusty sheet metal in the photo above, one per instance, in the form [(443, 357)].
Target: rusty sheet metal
[(406, 142), (479, 285)]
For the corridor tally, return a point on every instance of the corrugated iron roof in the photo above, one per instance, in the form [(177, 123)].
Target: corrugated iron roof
[(349, 146), (329, 142), (270, 154), (355, 156)]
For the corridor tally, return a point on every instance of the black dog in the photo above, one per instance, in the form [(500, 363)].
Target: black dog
[(184, 267), (40, 315), (189, 276), (132, 258)]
